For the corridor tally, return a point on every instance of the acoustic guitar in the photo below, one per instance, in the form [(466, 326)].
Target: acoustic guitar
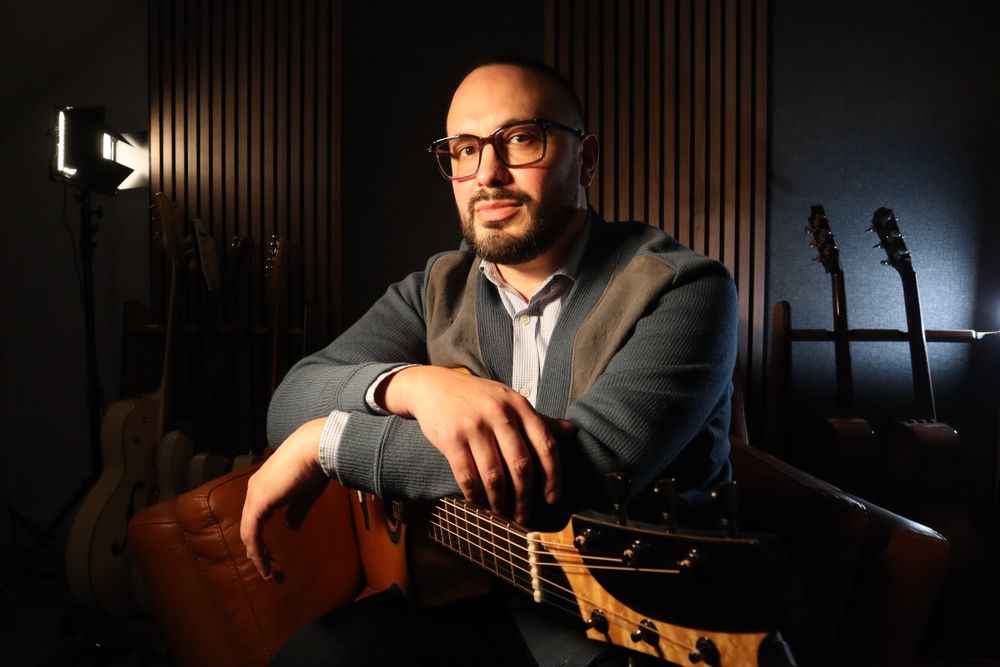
[(841, 449), (99, 566), (687, 597), (924, 465)]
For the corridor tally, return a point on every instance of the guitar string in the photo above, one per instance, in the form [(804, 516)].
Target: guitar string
[(613, 617), (572, 552), (582, 565)]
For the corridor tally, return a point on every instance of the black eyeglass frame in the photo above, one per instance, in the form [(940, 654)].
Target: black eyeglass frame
[(542, 123)]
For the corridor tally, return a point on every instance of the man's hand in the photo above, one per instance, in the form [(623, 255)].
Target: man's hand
[(487, 431), (292, 476)]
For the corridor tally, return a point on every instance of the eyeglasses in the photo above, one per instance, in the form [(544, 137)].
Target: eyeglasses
[(517, 144)]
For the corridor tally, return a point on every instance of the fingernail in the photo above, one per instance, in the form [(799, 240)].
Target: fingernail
[(552, 497)]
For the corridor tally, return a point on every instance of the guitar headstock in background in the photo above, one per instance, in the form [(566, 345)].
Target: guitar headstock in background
[(169, 228), (819, 227), (891, 240), (274, 265)]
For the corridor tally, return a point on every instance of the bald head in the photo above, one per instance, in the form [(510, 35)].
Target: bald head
[(546, 88)]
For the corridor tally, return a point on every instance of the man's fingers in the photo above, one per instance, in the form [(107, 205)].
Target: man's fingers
[(521, 468), (491, 472), (463, 467), (542, 440), (251, 534)]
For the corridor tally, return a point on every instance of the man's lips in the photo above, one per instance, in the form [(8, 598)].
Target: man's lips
[(497, 210)]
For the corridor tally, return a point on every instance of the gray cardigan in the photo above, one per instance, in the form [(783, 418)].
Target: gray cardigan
[(640, 361)]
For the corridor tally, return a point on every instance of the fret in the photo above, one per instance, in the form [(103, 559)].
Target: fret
[(489, 546), (462, 528)]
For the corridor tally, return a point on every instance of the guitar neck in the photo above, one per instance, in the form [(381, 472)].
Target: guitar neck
[(922, 387), (488, 541), (842, 346)]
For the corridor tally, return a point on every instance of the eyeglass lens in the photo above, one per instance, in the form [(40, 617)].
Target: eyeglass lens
[(515, 146)]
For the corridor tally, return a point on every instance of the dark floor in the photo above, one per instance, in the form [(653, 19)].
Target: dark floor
[(40, 626)]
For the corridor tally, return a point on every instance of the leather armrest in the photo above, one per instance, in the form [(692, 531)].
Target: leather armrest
[(820, 529), (212, 605)]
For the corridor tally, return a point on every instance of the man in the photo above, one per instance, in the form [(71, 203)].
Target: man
[(593, 347)]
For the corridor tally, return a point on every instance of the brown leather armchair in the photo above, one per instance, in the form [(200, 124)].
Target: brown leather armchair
[(869, 578)]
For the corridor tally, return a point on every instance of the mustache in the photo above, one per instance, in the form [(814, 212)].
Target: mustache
[(496, 194)]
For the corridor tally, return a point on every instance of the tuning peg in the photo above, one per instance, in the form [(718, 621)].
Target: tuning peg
[(598, 621), (617, 484), (726, 497), (870, 230), (877, 246), (665, 492), (884, 262)]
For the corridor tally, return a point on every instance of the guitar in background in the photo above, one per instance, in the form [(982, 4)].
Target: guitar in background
[(924, 459), (925, 473), (841, 449), (212, 462), (275, 273), (99, 567)]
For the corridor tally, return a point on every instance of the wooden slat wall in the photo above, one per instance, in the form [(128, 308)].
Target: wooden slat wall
[(676, 92), (245, 124)]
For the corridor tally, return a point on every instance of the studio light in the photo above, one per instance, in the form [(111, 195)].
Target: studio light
[(86, 149)]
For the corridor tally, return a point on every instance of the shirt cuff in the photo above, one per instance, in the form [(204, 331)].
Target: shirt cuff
[(329, 442), (373, 389)]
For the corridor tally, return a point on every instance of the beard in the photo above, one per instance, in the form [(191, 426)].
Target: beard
[(546, 224)]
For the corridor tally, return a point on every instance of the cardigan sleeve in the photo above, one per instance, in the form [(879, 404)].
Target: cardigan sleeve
[(390, 334)]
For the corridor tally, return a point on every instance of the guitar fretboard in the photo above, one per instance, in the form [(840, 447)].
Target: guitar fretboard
[(491, 542)]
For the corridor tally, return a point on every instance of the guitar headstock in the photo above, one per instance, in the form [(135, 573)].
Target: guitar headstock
[(168, 228), (238, 256), (274, 265), (819, 227), (891, 240)]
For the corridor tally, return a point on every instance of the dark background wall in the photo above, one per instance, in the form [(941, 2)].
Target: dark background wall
[(892, 103), (58, 53), (398, 79)]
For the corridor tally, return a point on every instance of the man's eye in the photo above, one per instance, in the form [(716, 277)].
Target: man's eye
[(464, 149), (520, 138)]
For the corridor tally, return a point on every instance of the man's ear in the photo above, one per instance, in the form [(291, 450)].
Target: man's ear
[(589, 154)]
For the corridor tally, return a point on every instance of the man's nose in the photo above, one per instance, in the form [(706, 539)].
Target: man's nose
[(491, 170)]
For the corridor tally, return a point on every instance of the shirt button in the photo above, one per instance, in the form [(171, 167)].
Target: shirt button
[(525, 320), (525, 391)]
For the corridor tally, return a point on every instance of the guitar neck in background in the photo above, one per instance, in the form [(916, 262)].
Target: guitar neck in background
[(922, 388), (829, 256), (842, 347), (898, 256)]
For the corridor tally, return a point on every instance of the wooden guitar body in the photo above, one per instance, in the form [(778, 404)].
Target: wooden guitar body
[(393, 556), (924, 468), (172, 459), (98, 561)]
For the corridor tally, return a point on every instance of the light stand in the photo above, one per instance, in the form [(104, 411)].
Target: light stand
[(95, 394), (83, 156), (94, 391)]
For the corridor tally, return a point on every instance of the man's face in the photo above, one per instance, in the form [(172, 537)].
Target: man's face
[(511, 215)]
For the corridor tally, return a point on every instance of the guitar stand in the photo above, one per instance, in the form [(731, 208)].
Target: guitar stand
[(94, 392), (783, 335)]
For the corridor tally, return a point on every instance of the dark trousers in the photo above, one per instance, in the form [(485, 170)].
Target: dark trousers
[(387, 629)]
